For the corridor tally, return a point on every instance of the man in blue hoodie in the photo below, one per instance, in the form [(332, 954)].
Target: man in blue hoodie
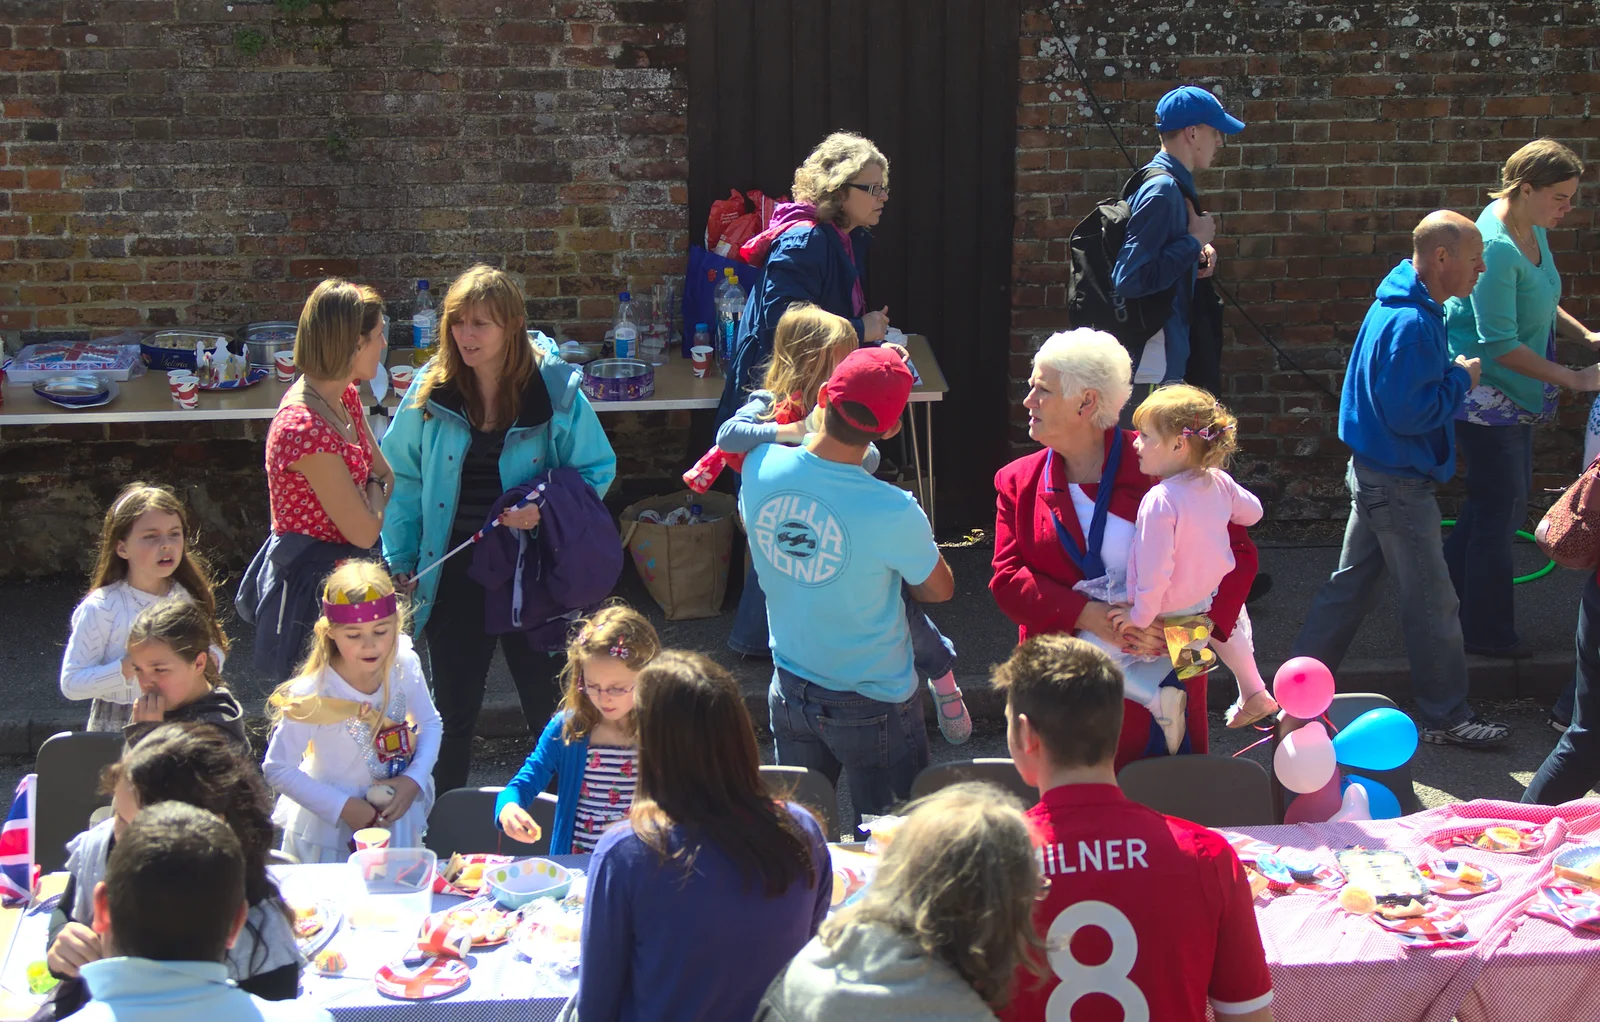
[(1397, 416)]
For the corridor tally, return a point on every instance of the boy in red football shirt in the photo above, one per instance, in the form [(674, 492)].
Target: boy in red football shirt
[(1146, 917)]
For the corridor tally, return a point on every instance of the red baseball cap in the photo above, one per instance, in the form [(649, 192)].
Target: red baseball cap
[(875, 378)]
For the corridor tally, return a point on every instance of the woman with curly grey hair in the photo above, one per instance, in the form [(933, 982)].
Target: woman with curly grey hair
[(941, 932), (814, 250)]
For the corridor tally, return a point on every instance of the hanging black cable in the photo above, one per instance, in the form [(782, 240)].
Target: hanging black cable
[(1094, 102)]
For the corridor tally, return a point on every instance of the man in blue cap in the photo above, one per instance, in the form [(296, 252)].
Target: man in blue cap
[(1169, 241)]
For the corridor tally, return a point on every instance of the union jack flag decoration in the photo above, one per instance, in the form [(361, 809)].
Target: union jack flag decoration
[(16, 846)]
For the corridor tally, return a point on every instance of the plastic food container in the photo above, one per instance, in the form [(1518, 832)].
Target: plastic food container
[(517, 883), (396, 889), (174, 349), (265, 339), (618, 379)]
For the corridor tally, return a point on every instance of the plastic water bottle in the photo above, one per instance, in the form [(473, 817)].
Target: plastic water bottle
[(695, 512), (424, 326), (730, 309), (702, 337), (626, 332)]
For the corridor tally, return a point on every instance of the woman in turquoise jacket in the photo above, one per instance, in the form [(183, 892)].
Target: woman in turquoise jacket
[(1511, 322), (491, 411)]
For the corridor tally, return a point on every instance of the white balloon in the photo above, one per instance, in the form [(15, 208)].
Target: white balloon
[(1354, 806), (1305, 759)]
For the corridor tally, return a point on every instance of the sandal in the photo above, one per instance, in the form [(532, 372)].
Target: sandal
[(1245, 712), (957, 727)]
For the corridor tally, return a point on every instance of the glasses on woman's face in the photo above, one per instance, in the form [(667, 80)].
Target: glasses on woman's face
[(876, 191), (611, 692)]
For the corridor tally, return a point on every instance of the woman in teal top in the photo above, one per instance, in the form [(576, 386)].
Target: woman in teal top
[(1511, 323)]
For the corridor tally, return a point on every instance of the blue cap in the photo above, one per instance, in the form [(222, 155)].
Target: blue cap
[(1188, 105)]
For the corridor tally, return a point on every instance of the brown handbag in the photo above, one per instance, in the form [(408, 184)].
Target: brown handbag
[(1569, 533)]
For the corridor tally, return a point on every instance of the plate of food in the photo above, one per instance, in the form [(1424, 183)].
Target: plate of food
[(1455, 878), (1425, 922), (1498, 838), (463, 874), (1291, 869), (490, 926), (1389, 877), (1577, 908), (550, 934), (252, 377), (314, 926), (1580, 865), (425, 981)]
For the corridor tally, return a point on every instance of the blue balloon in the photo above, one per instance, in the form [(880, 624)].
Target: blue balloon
[(1381, 739), (1381, 800)]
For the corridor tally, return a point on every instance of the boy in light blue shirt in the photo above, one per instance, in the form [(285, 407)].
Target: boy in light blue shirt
[(831, 546), (170, 906)]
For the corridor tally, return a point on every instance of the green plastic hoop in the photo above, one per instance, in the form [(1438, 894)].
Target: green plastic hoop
[(1541, 573)]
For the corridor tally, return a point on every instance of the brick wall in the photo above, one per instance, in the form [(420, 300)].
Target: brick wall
[(204, 162), (1362, 117)]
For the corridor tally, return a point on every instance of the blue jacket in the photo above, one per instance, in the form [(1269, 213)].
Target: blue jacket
[(140, 989), (555, 428), (806, 264), (539, 581), (1159, 251), (1401, 388), (553, 755), (281, 595)]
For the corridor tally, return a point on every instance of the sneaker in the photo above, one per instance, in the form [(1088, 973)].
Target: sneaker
[(1558, 725), (1173, 717), (956, 726), (1473, 733)]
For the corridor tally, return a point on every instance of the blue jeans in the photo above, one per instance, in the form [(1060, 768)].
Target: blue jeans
[(881, 747), (1478, 551), (932, 653), (1394, 528), (1573, 766)]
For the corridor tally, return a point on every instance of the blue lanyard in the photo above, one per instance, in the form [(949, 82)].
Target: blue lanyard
[(1089, 562)]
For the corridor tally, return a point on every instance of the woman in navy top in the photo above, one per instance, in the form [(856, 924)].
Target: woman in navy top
[(709, 888)]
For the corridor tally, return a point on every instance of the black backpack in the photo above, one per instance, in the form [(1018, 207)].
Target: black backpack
[(1091, 299)]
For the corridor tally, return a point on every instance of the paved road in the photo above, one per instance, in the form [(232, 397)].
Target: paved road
[(36, 615)]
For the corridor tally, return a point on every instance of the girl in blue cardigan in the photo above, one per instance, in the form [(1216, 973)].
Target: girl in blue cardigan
[(592, 743)]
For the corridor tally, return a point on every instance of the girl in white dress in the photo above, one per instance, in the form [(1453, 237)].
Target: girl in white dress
[(357, 734)]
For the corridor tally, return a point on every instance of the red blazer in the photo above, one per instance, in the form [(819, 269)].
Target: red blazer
[(1033, 576)]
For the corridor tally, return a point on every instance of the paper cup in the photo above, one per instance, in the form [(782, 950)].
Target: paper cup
[(700, 359), (186, 389), (400, 377), (371, 837), (283, 365)]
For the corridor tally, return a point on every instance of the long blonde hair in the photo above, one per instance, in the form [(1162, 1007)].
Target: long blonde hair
[(824, 178), (616, 631), (356, 582), (502, 299), (135, 499), (808, 344), (960, 881)]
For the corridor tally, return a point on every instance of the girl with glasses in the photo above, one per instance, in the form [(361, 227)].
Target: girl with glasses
[(592, 742)]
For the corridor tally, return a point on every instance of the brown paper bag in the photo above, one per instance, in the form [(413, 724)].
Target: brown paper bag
[(684, 567)]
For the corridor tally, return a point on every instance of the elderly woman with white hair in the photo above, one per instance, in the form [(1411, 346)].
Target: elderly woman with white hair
[(1066, 513)]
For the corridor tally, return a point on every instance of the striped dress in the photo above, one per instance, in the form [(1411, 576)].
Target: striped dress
[(609, 779)]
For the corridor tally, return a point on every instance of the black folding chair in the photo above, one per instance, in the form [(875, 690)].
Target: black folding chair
[(68, 790), (998, 771), (808, 787), (463, 821), (1213, 791)]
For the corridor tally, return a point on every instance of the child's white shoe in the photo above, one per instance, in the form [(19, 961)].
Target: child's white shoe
[(1173, 715)]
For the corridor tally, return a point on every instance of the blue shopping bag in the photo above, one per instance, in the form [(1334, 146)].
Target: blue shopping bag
[(700, 286)]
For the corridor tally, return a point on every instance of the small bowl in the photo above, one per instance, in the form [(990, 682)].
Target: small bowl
[(580, 352), (76, 389), (517, 883)]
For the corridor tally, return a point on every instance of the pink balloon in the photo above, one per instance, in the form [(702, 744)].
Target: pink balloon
[(1304, 687), (1305, 760), (1316, 806)]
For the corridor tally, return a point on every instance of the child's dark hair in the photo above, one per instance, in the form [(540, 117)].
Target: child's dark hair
[(184, 627), (174, 884), (198, 764), (135, 499)]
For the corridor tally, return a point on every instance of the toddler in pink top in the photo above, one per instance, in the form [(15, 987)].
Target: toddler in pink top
[(1180, 551)]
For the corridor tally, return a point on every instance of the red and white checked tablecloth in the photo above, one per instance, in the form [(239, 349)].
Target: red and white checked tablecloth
[(1330, 966)]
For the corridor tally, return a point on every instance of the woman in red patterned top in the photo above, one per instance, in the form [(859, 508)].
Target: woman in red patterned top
[(326, 477), (327, 481)]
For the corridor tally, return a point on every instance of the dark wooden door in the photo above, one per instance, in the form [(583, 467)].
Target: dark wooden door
[(934, 84)]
